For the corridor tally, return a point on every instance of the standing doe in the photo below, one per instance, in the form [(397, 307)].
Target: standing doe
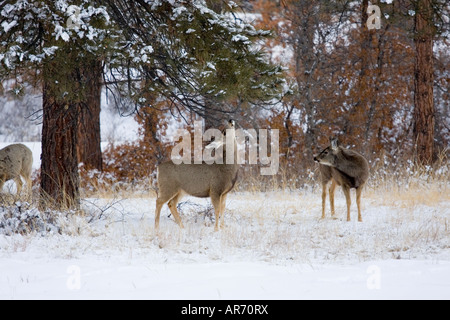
[(343, 167), (16, 160), (199, 180)]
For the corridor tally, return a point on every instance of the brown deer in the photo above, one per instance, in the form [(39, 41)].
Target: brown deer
[(343, 167), (16, 160), (203, 180)]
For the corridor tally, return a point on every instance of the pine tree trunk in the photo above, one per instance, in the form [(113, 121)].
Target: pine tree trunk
[(424, 112), (89, 149), (59, 166)]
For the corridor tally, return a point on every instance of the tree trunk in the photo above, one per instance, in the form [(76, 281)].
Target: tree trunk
[(89, 150), (67, 89), (59, 166), (424, 112)]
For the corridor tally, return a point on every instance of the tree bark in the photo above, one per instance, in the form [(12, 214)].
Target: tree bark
[(67, 89), (89, 149), (424, 112), (59, 165)]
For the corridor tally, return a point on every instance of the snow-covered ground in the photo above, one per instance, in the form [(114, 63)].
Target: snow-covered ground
[(100, 278), (274, 246)]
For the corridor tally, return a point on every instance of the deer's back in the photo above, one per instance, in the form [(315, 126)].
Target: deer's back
[(198, 180), (13, 158), (352, 169)]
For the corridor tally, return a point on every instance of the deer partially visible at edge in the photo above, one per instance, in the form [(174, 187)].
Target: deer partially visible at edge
[(16, 161)]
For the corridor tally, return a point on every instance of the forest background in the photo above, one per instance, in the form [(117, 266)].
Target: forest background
[(311, 69)]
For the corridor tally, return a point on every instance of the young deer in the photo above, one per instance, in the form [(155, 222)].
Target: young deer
[(343, 167), (199, 180)]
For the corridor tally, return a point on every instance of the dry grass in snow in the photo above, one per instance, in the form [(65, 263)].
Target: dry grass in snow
[(277, 227), (274, 245)]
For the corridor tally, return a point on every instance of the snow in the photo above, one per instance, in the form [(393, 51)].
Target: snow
[(239, 37), (60, 32), (274, 246), (7, 26), (142, 279)]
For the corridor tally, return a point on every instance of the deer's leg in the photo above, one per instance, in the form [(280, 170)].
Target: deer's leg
[(173, 208), (216, 201), (29, 188), (324, 196), (160, 201), (223, 200), (348, 199), (26, 174), (331, 191), (159, 204), (19, 185), (358, 202)]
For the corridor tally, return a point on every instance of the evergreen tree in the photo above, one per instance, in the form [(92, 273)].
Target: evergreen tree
[(182, 51)]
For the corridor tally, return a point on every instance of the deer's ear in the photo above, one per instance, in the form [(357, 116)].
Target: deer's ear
[(334, 143)]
